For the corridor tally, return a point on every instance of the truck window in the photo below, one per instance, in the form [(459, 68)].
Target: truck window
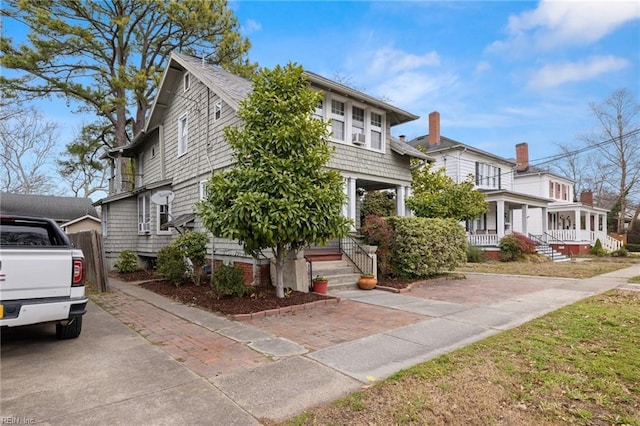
[(23, 235)]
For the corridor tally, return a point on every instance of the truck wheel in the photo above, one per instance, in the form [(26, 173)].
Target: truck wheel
[(70, 330)]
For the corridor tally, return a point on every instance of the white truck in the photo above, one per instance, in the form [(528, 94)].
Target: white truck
[(41, 276)]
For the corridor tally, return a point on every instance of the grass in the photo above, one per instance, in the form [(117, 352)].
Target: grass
[(574, 269), (577, 365), (635, 280)]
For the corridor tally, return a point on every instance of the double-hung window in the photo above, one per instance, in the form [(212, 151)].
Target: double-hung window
[(337, 119), (217, 111), (183, 135), (376, 131), (144, 213), (488, 176), (163, 216)]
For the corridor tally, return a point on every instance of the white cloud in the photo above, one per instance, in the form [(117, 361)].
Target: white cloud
[(557, 74), (389, 60), (482, 66), (567, 22), (414, 88), (250, 26)]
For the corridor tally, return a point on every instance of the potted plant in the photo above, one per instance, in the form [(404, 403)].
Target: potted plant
[(320, 284), (367, 281)]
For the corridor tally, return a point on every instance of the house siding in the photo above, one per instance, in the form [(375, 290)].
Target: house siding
[(459, 165)]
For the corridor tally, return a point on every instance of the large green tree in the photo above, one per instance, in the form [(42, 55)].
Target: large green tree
[(108, 55), (278, 195), (436, 195)]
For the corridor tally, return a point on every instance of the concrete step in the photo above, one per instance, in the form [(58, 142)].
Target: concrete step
[(329, 264), (342, 282), (336, 270)]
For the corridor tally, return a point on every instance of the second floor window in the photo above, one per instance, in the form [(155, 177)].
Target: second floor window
[(183, 135), (337, 119), (488, 176)]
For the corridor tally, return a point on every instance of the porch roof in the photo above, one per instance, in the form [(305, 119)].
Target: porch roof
[(515, 198), (563, 207)]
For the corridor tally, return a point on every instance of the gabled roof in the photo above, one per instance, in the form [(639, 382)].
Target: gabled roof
[(60, 209), (80, 219), (447, 144), (536, 170), (233, 89)]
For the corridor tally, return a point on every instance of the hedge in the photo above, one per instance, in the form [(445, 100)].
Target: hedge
[(633, 247), (422, 247)]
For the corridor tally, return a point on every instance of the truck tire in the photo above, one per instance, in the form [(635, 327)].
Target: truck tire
[(70, 330)]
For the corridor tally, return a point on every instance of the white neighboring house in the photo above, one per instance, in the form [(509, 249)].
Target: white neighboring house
[(574, 224), (517, 200), (183, 143)]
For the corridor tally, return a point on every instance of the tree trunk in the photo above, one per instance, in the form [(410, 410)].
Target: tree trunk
[(280, 256)]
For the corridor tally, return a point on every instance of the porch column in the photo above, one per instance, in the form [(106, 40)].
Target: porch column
[(576, 226), (352, 201), (400, 211), (525, 211), (345, 188), (545, 215), (587, 224), (500, 218), (407, 191)]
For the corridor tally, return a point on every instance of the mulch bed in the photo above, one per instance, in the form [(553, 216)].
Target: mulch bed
[(263, 298)]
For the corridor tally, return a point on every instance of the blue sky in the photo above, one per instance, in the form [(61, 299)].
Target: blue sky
[(499, 73)]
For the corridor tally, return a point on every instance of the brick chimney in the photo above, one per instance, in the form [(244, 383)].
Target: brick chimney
[(434, 128), (522, 157), (586, 197)]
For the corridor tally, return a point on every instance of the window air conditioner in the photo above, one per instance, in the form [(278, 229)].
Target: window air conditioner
[(358, 138), (144, 227)]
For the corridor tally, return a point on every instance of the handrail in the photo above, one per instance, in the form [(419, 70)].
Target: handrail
[(359, 256), (558, 241), (541, 241), (310, 272)]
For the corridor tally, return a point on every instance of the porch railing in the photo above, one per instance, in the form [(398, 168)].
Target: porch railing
[(483, 240), (359, 256), (543, 241)]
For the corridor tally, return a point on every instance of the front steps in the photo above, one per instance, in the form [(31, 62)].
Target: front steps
[(552, 254), (340, 272)]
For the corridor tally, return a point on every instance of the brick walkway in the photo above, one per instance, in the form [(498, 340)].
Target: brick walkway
[(203, 351), (330, 325)]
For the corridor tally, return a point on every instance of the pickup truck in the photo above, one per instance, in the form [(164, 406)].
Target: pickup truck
[(41, 276)]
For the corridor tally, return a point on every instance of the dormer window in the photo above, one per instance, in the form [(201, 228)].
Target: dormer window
[(187, 81)]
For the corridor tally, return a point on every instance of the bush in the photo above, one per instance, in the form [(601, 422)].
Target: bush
[(377, 233), (193, 246), (171, 264), (621, 252), (633, 247), (378, 203), (515, 246), (422, 247), (127, 262), (597, 249), (228, 281), (475, 254)]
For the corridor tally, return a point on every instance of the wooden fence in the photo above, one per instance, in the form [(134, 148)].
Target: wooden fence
[(91, 244)]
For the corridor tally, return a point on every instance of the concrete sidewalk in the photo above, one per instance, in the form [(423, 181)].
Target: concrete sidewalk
[(205, 369)]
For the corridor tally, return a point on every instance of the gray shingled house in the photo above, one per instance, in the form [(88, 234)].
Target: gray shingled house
[(183, 143), (71, 213)]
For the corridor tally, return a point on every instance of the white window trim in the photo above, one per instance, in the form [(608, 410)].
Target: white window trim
[(202, 186), (144, 227), (183, 150), (217, 107), (348, 122), (186, 81), (160, 231)]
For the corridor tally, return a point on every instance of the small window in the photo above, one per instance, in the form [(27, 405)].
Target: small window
[(217, 111), (183, 135), (319, 111), (337, 119), (187, 81), (203, 189), (164, 216)]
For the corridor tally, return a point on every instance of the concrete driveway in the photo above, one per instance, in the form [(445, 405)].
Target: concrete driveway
[(110, 375)]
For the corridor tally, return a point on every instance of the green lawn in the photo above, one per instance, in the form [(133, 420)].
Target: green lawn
[(578, 365)]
